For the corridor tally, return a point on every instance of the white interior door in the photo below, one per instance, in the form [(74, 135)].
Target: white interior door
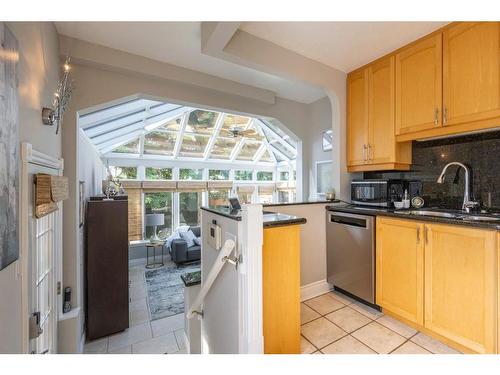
[(42, 267)]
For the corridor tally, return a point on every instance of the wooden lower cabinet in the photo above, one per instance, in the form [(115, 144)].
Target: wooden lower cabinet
[(442, 278), (460, 285), (281, 290), (399, 265)]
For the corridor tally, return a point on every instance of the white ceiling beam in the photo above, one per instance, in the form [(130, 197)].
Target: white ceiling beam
[(92, 119), (117, 142), (180, 135), (161, 111), (182, 162), (215, 134), (118, 132), (260, 152), (274, 149)]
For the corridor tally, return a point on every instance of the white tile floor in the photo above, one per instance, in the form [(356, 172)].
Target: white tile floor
[(335, 324), (143, 336)]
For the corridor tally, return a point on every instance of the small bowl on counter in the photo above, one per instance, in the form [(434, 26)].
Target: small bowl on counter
[(399, 205)]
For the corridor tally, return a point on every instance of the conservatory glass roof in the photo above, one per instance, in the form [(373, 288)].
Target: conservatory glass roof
[(156, 130)]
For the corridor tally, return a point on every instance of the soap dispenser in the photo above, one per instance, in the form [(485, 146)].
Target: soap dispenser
[(406, 200)]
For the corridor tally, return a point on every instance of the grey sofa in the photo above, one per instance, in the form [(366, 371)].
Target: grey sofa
[(181, 253)]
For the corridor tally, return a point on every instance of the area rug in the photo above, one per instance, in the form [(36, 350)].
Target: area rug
[(166, 289)]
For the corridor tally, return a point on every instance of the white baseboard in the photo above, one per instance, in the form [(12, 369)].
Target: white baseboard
[(314, 289)]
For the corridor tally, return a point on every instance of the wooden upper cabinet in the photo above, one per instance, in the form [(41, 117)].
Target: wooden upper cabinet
[(371, 140), (471, 72), (419, 86), (400, 267), (357, 117), (460, 285)]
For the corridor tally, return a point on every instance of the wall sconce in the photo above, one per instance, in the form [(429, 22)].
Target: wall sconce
[(62, 97)]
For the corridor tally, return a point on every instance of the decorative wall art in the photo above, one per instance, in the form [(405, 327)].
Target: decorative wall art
[(9, 148)]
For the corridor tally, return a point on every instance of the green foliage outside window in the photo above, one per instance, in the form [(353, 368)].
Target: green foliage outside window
[(243, 175), (190, 174), (124, 173), (218, 174), (264, 176), (158, 173)]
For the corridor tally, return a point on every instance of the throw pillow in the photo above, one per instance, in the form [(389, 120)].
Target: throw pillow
[(174, 236), (188, 237), (197, 241)]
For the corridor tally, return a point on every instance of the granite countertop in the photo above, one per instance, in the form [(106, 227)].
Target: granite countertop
[(300, 203), (270, 219), (404, 214), (191, 278)]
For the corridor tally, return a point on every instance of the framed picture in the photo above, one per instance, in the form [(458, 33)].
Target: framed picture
[(327, 139), (82, 202), (324, 176)]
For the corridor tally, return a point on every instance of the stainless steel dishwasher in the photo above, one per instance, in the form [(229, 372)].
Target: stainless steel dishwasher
[(350, 242)]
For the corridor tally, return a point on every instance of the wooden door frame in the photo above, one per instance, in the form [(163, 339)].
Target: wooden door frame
[(31, 157)]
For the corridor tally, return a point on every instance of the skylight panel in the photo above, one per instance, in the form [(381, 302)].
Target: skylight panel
[(284, 150), (201, 122), (128, 148), (248, 150), (266, 157), (159, 143), (223, 147), (193, 145), (172, 125), (231, 122)]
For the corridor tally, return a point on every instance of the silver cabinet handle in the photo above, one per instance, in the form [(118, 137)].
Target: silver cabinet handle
[(364, 152), (445, 116), (436, 117), (426, 235), (369, 151), (418, 235)]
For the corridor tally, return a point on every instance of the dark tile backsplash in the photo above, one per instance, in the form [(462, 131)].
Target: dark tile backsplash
[(481, 152)]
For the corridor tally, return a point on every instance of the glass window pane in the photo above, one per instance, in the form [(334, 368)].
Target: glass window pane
[(218, 174), (266, 156), (190, 174), (284, 150), (244, 196), (264, 176), (266, 196), (283, 196), (159, 203), (284, 175), (189, 203), (158, 173), (248, 150), (243, 175), (129, 148), (232, 121), (218, 198), (201, 122), (172, 125), (159, 143), (123, 173), (223, 148), (193, 145)]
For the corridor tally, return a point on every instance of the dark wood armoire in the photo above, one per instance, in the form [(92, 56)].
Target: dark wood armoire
[(107, 302)]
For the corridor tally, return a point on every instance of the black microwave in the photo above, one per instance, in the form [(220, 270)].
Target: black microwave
[(381, 193)]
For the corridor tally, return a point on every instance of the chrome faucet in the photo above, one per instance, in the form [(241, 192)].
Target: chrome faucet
[(468, 204)]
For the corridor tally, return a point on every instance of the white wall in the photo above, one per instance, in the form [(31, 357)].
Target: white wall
[(38, 72), (312, 242), (320, 118)]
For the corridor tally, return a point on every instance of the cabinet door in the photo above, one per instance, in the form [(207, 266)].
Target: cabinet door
[(357, 117), (418, 86), (382, 143), (400, 262), (460, 278), (471, 70)]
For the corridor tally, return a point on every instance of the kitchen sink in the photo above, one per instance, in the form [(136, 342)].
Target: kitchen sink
[(430, 213), (480, 218)]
